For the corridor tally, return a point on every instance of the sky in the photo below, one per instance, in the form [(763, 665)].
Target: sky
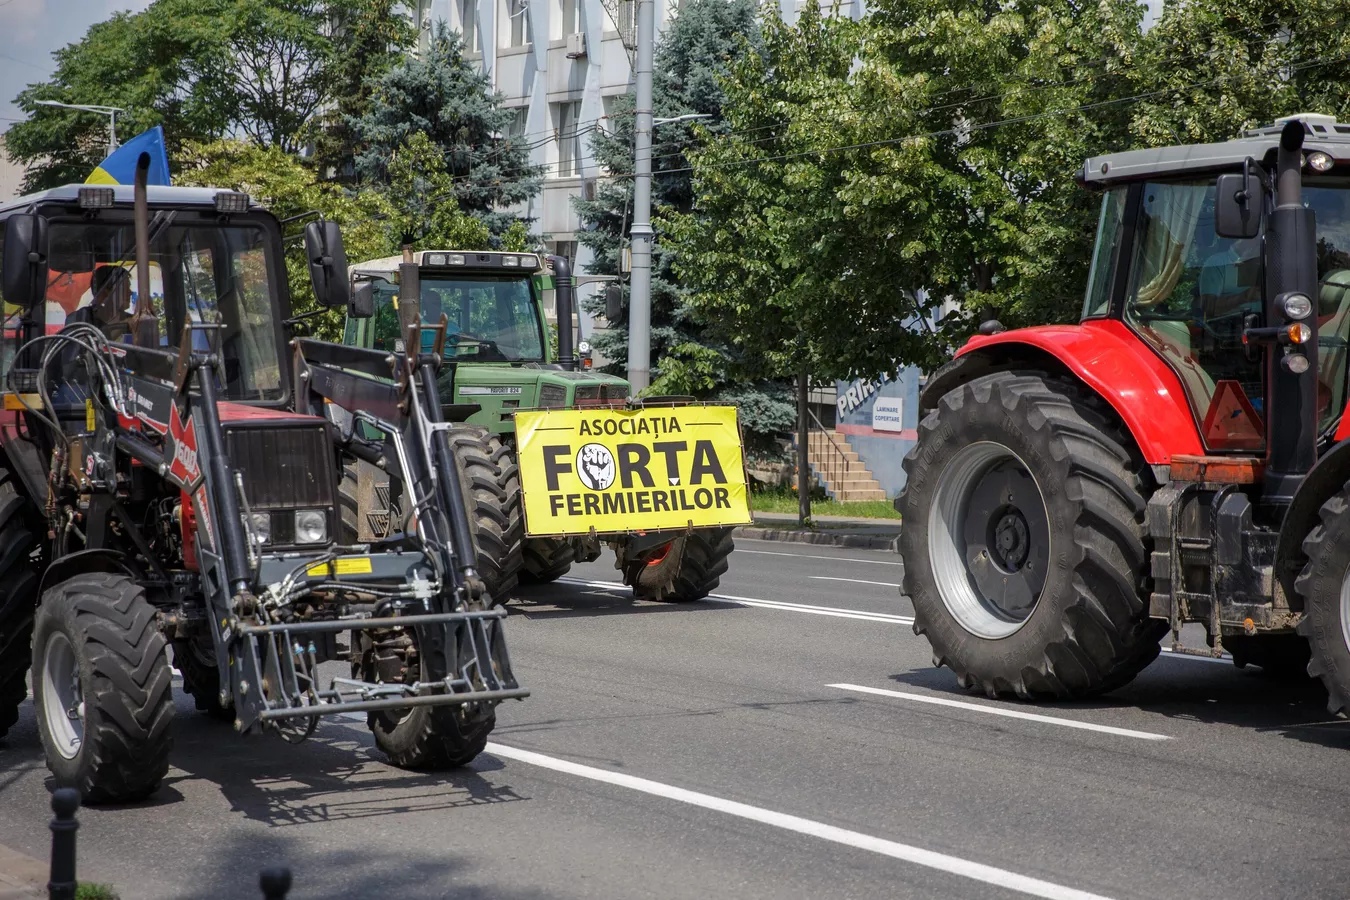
[(31, 29)]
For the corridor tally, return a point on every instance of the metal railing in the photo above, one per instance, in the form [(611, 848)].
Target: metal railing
[(833, 466)]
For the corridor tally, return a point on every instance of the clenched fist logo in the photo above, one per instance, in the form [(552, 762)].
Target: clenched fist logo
[(595, 466)]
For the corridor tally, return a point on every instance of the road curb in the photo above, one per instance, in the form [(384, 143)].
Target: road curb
[(856, 541)]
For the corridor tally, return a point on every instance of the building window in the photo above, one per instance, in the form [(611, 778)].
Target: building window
[(468, 21), (570, 20), (567, 121), (515, 130), (518, 32), (625, 18)]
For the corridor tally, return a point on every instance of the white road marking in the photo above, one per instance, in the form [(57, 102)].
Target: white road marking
[(889, 584), (780, 605), (1224, 660), (954, 865), (836, 612), (1004, 711), (875, 562)]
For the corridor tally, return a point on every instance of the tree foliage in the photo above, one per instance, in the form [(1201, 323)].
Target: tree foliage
[(442, 96), (877, 169), (262, 70), (373, 225), (696, 52)]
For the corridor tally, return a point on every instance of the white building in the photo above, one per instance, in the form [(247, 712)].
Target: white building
[(559, 64)]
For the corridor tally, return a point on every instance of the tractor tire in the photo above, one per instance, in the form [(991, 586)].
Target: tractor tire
[(546, 559), (1281, 656), (348, 506), (201, 679), (102, 688), (18, 599), (422, 737), (1324, 585), (491, 482), (1023, 545), (689, 568)]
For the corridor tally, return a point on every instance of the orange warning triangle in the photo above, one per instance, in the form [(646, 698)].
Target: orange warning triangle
[(1231, 422)]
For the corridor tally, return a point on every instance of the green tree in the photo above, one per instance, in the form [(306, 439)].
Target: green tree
[(372, 36), (204, 69), (443, 96), (877, 170), (372, 225), (694, 54)]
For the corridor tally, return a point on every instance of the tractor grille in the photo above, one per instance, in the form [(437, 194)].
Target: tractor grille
[(284, 467)]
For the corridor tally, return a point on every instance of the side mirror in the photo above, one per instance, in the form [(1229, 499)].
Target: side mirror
[(613, 302), (327, 264), (25, 261), (362, 303), (1238, 205)]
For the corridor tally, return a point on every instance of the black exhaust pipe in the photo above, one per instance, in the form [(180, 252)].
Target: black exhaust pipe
[(562, 291), (1291, 267)]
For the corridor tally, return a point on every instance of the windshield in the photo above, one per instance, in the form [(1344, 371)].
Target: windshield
[(214, 274), (488, 318)]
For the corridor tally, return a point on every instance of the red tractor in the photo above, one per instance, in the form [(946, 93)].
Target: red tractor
[(1178, 456)]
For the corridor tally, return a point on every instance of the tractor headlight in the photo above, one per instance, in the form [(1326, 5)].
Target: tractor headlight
[(311, 526), (262, 527), (1320, 162), (1299, 333), (1296, 363), (552, 396), (1297, 306)]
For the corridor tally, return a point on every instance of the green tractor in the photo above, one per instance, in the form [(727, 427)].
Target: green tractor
[(498, 340)]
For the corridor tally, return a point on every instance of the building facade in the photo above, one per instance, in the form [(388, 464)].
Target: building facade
[(560, 65)]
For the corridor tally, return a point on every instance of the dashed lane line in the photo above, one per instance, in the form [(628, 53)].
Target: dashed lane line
[(1003, 711), (942, 862), (779, 605), (889, 584)]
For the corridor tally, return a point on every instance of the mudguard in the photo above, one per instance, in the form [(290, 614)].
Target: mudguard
[(1110, 360)]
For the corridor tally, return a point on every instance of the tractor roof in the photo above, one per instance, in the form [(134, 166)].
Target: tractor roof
[(473, 260), (123, 194), (1323, 133)]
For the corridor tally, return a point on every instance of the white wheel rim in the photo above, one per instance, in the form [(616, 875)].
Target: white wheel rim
[(62, 696), (1345, 610), (949, 548)]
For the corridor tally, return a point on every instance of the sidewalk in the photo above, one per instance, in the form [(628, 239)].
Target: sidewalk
[(21, 876), (837, 531)]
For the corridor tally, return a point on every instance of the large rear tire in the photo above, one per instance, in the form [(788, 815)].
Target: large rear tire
[(491, 483), (546, 559), (102, 688), (1023, 540), (1324, 585), (688, 568), (18, 599)]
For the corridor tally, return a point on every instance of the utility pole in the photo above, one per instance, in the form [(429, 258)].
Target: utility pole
[(640, 293)]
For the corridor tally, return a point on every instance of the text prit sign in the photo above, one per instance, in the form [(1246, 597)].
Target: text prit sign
[(621, 470)]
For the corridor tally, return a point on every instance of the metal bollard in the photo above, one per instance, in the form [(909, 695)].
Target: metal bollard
[(62, 884), (276, 883)]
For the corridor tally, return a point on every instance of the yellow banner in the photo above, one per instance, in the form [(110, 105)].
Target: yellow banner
[(623, 470)]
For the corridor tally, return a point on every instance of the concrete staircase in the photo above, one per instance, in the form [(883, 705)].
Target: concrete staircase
[(840, 469)]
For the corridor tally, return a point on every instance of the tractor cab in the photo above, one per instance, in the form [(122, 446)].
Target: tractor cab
[(1198, 297)]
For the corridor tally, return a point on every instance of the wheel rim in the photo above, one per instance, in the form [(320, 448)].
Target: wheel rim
[(63, 696), (660, 555), (989, 540), (1345, 610)]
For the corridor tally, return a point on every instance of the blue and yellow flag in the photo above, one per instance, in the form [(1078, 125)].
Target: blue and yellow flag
[(120, 166)]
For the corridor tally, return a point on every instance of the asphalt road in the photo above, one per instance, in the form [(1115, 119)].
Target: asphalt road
[(781, 741)]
